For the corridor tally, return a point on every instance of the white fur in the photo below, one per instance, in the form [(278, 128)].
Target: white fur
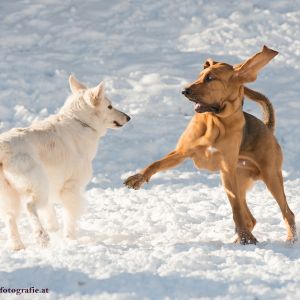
[(52, 160)]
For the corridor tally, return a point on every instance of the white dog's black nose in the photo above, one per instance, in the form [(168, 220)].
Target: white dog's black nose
[(186, 91)]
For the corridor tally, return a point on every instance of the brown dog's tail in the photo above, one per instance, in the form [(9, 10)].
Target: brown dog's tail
[(266, 105)]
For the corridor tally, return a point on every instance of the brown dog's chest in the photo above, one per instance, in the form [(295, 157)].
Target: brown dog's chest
[(211, 156), (208, 158)]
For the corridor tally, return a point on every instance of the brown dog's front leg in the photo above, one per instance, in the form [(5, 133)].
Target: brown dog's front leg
[(230, 184), (169, 161)]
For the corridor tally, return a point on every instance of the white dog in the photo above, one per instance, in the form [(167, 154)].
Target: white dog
[(53, 159)]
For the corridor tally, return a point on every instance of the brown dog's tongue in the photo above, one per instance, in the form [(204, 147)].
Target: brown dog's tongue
[(198, 107), (201, 108)]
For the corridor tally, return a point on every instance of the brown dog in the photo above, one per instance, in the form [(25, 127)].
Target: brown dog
[(222, 137)]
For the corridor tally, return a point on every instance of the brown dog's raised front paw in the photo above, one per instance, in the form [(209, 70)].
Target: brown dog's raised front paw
[(245, 237), (135, 181)]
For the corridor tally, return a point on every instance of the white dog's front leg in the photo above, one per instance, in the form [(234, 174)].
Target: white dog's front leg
[(14, 240), (49, 215), (72, 201), (41, 235), (70, 226)]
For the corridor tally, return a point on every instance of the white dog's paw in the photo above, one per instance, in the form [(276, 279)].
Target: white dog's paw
[(71, 237), (43, 238), (16, 245), (52, 226), (70, 234)]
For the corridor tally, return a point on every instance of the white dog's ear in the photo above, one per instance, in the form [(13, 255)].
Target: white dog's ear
[(75, 85), (97, 94)]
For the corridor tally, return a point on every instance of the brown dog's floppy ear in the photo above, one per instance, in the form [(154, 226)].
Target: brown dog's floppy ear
[(247, 71), (208, 63), (75, 85)]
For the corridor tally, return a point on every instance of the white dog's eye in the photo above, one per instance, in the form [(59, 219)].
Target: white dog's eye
[(109, 107)]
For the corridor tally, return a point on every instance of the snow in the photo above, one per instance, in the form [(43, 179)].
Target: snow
[(172, 239)]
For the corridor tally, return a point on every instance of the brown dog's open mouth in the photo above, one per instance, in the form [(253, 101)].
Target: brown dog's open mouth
[(202, 108), (117, 124)]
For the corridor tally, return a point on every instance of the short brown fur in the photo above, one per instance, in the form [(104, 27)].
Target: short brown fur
[(220, 136)]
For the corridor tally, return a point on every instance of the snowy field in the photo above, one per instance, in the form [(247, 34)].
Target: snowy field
[(172, 239)]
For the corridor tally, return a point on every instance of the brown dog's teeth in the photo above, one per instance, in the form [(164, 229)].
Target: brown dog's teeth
[(198, 108)]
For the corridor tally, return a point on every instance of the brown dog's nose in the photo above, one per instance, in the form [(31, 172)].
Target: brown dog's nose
[(128, 118), (187, 91)]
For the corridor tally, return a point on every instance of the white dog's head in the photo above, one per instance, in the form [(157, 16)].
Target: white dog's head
[(91, 107)]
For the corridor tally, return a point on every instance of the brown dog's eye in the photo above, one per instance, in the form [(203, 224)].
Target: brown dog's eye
[(109, 107), (208, 78)]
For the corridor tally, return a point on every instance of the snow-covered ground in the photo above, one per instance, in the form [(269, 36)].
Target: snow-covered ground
[(172, 239)]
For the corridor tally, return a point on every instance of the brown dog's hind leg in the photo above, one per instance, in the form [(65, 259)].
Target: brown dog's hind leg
[(240, 210), (274, 183), (245, 181)]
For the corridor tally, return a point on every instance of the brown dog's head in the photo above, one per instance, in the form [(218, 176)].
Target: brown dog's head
[(219, 87)]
